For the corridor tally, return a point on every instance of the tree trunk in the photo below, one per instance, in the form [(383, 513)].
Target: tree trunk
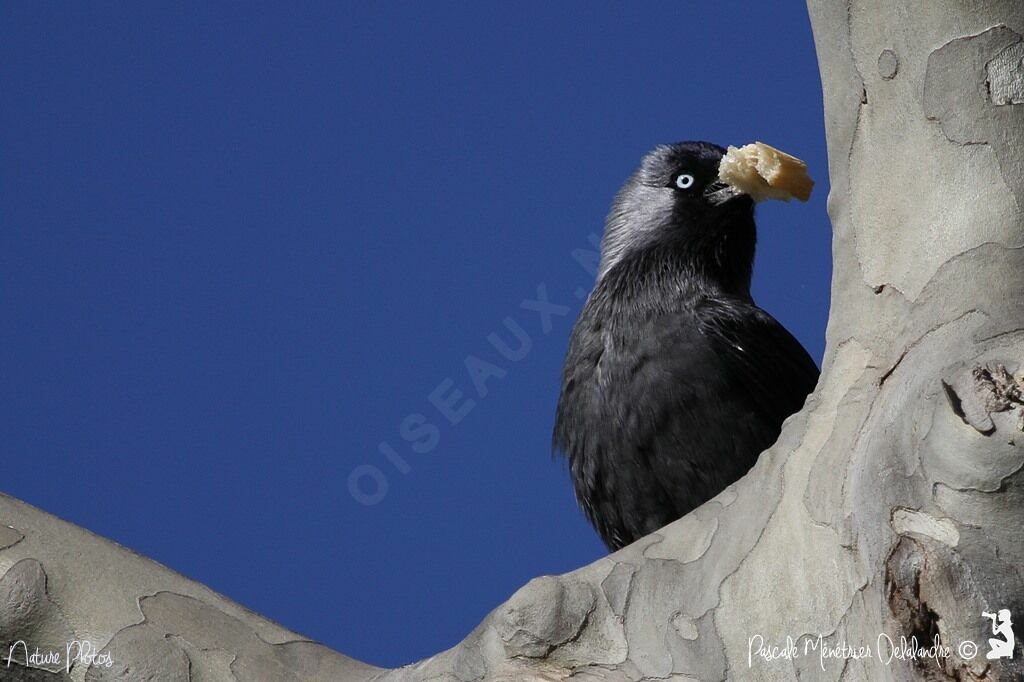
[(889, 511)]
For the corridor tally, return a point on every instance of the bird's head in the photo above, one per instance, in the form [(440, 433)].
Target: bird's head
[(674, 199)]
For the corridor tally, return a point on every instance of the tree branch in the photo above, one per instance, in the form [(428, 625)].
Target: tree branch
[(889, 508)]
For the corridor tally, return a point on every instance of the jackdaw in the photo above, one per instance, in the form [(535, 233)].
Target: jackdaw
[(674, 381)]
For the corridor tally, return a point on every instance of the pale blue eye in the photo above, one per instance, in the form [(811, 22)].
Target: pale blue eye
[(684, 181)]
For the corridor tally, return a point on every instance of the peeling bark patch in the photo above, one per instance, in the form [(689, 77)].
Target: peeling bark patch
[(888, 65), (544, 614), (616, 587), (956, 87), (23, 593), (689, 540), (968, 82), (906, 521), (1006, 76), (685, 627), (28, 614), (183, 638), (9, 537), (22, 598), (137, 654)]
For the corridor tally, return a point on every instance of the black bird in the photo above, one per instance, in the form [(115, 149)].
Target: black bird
[(675, 381)]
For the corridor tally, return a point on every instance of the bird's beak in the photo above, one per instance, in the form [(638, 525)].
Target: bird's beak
[(719, 192)]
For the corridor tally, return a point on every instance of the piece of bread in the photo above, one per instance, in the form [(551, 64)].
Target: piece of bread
[(764, 172)]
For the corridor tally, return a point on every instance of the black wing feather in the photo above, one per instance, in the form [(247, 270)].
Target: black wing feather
[(662, 407), (759, 353)]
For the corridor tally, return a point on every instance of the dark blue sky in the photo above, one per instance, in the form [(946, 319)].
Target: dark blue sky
[(242, 245)]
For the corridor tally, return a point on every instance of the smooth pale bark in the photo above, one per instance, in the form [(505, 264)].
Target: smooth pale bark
[(891, 505)]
